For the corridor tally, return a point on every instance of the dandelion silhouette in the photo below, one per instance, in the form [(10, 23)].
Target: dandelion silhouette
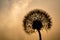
[(36, 19)]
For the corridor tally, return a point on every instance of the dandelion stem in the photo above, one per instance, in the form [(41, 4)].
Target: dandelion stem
[(39, 35)]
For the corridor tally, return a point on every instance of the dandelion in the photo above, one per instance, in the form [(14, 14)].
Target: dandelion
[(36, 19)]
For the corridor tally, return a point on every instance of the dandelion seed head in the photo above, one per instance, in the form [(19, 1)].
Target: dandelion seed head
[(36, 19)]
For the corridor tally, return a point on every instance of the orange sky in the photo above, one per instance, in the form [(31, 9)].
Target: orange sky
[(12, 14)]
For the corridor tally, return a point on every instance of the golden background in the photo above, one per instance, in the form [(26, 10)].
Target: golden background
[(12, 13)]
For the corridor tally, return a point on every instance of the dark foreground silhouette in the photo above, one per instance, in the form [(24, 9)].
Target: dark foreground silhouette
[(36, 20), (37, 25)]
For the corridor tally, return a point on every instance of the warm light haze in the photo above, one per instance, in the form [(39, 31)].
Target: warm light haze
[(12, 13)]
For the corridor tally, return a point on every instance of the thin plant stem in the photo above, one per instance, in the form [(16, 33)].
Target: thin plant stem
[(40, 38)]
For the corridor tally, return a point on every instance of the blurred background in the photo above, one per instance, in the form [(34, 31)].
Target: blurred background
[(12, 13)]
